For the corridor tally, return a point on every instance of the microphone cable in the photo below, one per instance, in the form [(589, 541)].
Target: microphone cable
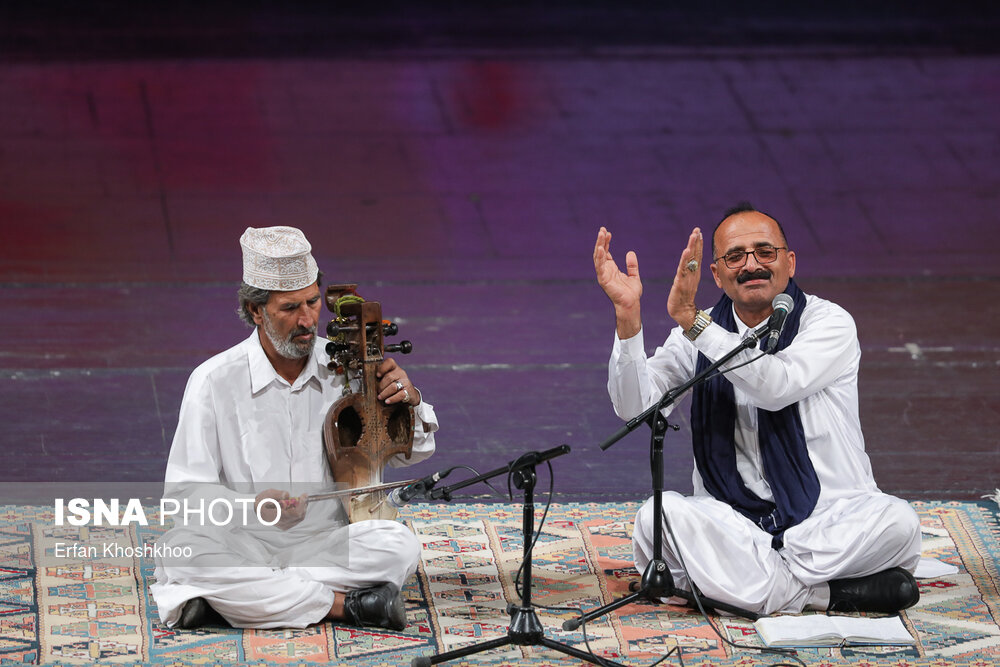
[(537, 530), (783, 652), (788, 653), (578, 610), (475, 473), (517, 577)]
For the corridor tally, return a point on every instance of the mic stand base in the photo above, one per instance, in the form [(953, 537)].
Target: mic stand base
[(525, 628), (656, 585), (657, 582)]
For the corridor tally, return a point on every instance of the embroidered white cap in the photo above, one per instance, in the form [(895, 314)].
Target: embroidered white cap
[(277, 258)]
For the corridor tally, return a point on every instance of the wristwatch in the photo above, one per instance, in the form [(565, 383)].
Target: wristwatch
[(701, 321)]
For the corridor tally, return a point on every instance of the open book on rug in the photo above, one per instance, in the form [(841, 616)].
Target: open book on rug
[(821, 630)]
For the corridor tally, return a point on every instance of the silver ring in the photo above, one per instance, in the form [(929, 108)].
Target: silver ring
[(406, 396), (399, 386), (692, 266)]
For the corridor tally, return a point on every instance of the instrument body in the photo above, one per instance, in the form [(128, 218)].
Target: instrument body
[(361, 433)]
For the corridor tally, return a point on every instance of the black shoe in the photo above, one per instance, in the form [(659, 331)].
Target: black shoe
[(885, 592), (380, 607), (197, 612)]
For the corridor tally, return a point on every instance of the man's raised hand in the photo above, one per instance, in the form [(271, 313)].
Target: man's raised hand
[(624, 289), (680, 302)]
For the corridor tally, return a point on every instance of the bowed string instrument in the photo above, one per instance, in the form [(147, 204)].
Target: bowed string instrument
[(360, 432)]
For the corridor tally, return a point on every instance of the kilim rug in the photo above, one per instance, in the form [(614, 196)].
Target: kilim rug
[(101, 611)]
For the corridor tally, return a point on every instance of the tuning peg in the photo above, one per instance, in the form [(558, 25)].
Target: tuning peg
[(334, 348), (403, 347)]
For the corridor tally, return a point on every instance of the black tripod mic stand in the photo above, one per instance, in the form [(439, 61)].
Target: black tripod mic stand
[(657, 582), (525, 629)]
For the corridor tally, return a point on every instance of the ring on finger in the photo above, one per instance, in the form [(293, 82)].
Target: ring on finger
[(692, 266), (399, 386), (406, 396)]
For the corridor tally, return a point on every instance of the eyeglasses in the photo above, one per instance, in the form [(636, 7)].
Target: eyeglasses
[(765, 254)]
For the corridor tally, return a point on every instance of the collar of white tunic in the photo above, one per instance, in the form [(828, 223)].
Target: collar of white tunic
[(741, 327), (262, 373)]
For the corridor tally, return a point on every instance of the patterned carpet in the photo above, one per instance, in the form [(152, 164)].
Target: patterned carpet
[(99, 610)]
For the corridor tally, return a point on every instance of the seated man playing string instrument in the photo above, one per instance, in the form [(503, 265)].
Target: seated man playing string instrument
[(785, 514), (252, 418)]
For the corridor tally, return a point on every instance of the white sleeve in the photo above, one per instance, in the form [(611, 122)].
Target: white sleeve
[(194, 453), (825, 348), (635, 382), (194, 466)]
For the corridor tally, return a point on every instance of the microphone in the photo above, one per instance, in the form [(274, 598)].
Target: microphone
[(782, 304), (403, 495)]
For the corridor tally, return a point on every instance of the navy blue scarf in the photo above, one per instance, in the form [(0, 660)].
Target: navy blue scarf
[(787, 467)]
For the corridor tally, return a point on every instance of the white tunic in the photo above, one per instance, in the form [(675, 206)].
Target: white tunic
[(241, 422), (244, 427), (846, 534)]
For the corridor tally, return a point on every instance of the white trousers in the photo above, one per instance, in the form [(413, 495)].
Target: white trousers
[(250, 594), (730, 559)]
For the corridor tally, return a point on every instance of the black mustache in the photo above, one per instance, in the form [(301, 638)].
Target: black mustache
[(759, 274)]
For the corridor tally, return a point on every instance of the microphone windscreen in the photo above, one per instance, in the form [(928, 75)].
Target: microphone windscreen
[(783, 302)]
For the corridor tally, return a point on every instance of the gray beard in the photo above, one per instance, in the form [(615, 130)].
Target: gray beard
[(287, 347)]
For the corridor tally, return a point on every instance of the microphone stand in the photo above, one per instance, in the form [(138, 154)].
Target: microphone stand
[(524, 629), (657, 582)]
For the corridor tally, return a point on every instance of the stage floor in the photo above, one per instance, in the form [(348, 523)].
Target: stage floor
[(464, 191)]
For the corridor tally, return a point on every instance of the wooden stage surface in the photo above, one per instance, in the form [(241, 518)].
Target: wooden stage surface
[(463, 188)]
